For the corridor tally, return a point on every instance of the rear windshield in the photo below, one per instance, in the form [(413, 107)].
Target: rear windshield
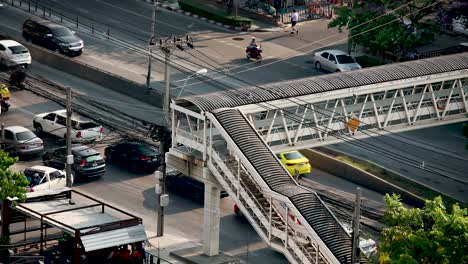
[(293, 155), (147, 151), (93, 158), (25, 135), (344, 59), (18, 49), (83, 125), (34, 177)]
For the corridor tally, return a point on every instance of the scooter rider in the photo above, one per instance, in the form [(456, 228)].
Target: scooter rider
[(253, 45)]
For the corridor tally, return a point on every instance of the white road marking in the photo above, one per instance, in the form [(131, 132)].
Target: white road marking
[(83, 10)]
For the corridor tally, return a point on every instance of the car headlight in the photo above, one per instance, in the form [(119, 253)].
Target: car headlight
[(63, 44)]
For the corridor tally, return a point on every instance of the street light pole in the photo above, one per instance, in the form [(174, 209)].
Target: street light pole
[(153, 24)]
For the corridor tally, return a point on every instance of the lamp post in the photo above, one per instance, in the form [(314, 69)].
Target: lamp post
[(199, 72)]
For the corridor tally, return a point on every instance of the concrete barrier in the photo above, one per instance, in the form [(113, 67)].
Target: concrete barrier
[(344, 170), (91, 73)]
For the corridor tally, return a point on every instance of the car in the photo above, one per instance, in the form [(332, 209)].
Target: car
[(335, 61), (43, 178), (54, 123), (294, 160), (21, 141), (87, 162), (12, 53), (189, 187), (53, 36), (138, 156)]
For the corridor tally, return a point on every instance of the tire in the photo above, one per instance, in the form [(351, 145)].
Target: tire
[(109, 158), (337, 70), (39, 130), (259, 58), (318, 66)]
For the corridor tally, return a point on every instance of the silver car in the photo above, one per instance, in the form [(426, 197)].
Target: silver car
[(21, 141), (335, 61)]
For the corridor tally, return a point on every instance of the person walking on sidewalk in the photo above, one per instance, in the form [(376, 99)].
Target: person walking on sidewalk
[(294, 19)]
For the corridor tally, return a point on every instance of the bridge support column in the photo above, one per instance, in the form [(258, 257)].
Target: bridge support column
[(211, 217)]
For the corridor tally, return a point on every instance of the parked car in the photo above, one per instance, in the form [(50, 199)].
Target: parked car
[(294, 160), (83, 130), (21, 141), (87, 162), (335, 61), (137, 156), (189, 187), (43, 178), (53, 36), (12, 53)]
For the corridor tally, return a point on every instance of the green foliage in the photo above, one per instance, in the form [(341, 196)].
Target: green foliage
[(427, 235), (12, 184), (217, 15), (373, 25)]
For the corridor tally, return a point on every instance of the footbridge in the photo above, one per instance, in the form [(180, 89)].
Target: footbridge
[(228, 139)]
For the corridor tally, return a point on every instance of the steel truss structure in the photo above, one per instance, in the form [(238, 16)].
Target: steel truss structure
[(237, 132)]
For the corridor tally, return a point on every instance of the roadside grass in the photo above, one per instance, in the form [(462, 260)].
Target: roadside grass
[(402, 182)]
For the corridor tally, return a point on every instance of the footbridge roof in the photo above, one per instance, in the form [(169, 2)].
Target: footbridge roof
[(318, 84)]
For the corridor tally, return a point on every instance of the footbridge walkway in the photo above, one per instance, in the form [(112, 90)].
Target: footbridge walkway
[(228, 140)]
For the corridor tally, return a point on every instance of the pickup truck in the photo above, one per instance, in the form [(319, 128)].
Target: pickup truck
[(54, 123)]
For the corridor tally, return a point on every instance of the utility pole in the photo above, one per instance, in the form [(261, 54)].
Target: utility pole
[(357, 216), (150, 42), (162, 133), (68, 137)]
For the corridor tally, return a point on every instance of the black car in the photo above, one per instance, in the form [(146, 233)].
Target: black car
[(189, 187), (138, 156), (87, 162), (53, 36)]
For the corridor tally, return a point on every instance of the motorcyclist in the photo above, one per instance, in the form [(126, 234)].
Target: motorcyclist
[(4, 98), (253, 45)]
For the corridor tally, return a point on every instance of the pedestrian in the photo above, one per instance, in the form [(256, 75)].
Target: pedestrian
[(294, 19)]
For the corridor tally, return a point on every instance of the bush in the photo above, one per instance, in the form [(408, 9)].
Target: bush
[(214, 14), (367, 61)]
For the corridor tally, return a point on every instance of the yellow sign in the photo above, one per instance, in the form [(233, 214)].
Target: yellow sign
[(353, 124)]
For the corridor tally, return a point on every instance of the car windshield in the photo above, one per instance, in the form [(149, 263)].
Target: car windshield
[(293, 155), (34, 177), (18, 49), (84, 125), (93, 158), (61, 32), (147, 151), (25, 135), (345, 59)]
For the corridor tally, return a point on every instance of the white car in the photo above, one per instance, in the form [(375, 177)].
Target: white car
[(13, 53), (44, 178), (54, 123), (335, 61), (21, 141)]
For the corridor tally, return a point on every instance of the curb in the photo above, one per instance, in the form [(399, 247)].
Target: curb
[(229, 27)]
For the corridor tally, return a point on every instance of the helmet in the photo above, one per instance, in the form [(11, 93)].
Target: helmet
[(253, 38), (3, 86)]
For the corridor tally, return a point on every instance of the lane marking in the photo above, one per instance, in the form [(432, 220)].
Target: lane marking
[(82, 10)]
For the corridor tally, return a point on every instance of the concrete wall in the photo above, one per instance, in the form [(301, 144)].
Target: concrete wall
[(341, 169), (92, 74)]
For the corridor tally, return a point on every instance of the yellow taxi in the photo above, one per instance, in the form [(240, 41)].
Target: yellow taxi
[(294, 160)]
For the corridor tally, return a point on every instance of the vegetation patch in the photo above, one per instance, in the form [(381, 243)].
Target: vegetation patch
[(368, 61), (215, 14)]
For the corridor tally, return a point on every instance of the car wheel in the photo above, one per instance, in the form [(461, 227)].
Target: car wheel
[(26, 37), (109, 158), (38, 128), (318, 66), (337, 70)]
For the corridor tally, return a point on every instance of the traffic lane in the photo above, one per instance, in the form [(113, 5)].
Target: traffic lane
[(106, 96), (343, 185), (449, 158)]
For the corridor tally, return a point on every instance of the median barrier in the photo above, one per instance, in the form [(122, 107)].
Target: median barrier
[(329, 164), (91, 73)]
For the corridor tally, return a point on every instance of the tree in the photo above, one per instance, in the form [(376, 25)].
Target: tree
[(453, 10), (387, 26), (12, 184), (427, 235)]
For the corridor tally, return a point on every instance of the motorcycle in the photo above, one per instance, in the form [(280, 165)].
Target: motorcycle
[(4, 98), (254, 53)]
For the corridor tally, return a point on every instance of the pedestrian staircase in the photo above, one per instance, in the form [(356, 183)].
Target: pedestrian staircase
[(290, 218)]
